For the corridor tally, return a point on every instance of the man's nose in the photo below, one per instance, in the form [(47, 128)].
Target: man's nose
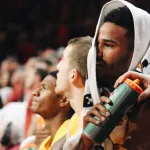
[(36, 92), (100, 53), (57, 67)]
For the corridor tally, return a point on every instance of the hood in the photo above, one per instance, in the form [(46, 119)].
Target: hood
[(141, 21)]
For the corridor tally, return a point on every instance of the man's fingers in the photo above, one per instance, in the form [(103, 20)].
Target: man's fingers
[(119, 81), (122, 78), (100, 113), (88, 119), (129, 74), (105, 100), (97, 113), (102, 109), (144, 95)]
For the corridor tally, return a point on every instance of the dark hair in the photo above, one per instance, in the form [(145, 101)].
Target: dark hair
[(54, 74), (41, 72), (122, 17)]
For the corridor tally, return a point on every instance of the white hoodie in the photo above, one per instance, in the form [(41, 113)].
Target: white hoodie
[(141, 21), (141, 54)]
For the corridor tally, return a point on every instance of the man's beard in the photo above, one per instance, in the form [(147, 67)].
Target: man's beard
[(111, 73)]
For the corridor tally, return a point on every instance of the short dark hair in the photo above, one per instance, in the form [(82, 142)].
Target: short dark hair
[(41, 72), (54, 74), (122, 17), (79, 53)]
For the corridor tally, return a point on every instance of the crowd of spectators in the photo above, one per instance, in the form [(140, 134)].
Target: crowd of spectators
[(27, 27)]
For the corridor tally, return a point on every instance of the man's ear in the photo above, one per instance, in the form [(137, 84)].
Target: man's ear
[(64, 102), (74, 76)]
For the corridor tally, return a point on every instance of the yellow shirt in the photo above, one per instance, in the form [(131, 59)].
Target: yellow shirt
[(48, 143), (73, 126), (40, 122)]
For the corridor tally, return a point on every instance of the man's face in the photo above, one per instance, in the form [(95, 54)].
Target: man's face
[(113, 56), (45, 101), (62, 83)]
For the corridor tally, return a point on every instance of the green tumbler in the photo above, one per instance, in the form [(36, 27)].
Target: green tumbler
[(124, 99)]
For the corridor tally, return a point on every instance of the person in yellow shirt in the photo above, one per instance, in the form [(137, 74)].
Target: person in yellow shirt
[(72, 70), (71, 76), (55, 110)]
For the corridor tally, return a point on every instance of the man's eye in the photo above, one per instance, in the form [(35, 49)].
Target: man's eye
[(107, 45), (44, 88)]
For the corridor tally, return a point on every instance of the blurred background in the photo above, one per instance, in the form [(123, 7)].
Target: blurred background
[(28, 27)]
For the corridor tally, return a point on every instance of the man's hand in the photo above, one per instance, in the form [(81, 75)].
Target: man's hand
[(119, 133), (97, 110), (145, 79)]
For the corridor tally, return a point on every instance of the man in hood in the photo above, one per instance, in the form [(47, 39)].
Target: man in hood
[(121, 42)]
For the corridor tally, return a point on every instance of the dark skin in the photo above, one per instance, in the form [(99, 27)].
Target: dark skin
[(113, 53), (113, 59), (118, 135), (145, 80), (53, 108), (95, 112)]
